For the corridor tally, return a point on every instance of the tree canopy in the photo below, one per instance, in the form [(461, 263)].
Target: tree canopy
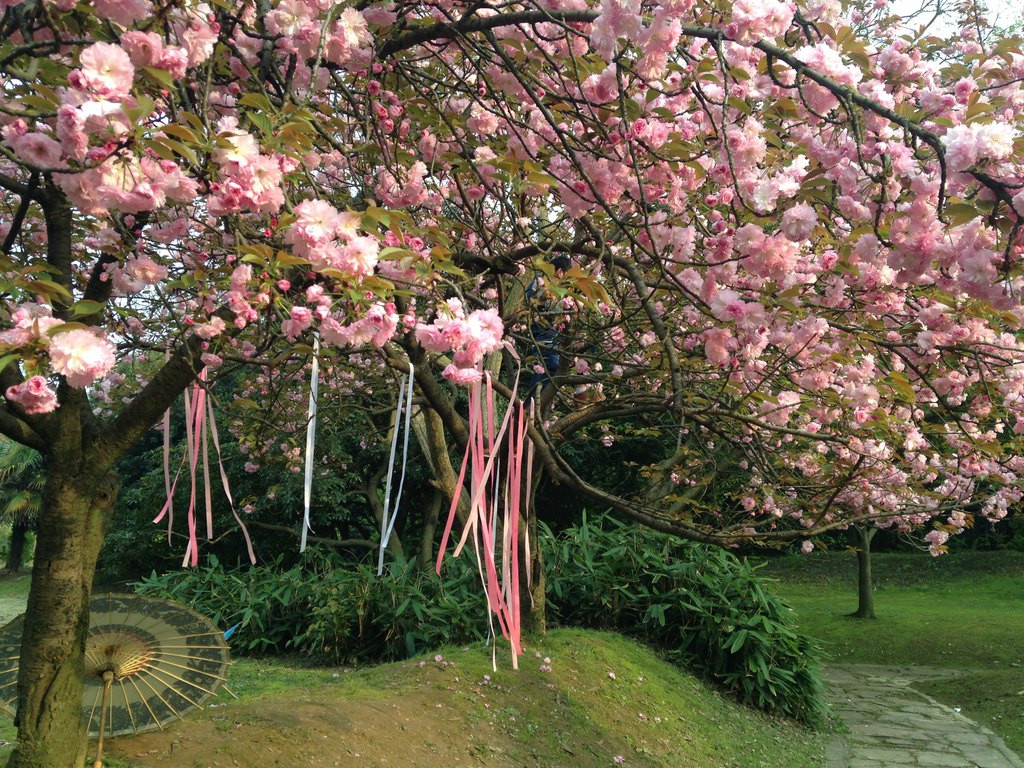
[(793, 231)]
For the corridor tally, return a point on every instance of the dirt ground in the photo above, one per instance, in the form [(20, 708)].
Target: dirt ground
[(409, 731)]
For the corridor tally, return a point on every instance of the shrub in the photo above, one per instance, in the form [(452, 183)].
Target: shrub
[(330, 611), (702, 606)]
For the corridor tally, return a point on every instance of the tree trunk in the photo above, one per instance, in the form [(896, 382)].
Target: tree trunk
[(430, 519), (75, 511), (16, 550), (865, 598), (533, 596)]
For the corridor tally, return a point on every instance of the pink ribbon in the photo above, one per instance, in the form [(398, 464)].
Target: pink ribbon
[(199, 423), (493, 489)]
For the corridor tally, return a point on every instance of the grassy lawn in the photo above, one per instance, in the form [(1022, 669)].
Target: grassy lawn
[(963, 611)]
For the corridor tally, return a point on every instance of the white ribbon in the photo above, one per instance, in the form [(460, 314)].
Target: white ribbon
[(307, 491), (387, 520)]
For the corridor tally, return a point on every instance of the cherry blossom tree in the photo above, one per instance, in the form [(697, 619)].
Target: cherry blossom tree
[(794, 234)]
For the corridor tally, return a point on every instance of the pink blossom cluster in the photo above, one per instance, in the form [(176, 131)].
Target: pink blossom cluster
[(29, 322), (377, 326), (967, 145), (130, 184), (754, 20), (249, 180), (470, 337), (147, 49), (35, 148), (33, 395), (330, 240), (298, 28), (82, 356), (618, 19), (411, 192), (138, 271)]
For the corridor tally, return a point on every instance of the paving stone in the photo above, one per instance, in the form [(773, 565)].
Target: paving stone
[(968, 737), (882, 754), (987, 757), (893, 726), (941, 760)]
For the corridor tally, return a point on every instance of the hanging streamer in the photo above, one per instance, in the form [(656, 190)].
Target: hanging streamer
[(200, 427), (226, 485), (495, 487), (192, 431), (390, 516), (528, 502), (307, 485), (168, 486)]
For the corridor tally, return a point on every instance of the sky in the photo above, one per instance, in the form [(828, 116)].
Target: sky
[(1001, 12)]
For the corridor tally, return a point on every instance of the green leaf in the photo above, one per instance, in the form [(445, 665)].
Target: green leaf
[(87, 307), (50, 288), (262, 122), (7, 360), (960, 213), (162, 76), (181, 132)]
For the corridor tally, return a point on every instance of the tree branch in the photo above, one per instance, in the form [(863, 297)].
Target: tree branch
[(471, 23)]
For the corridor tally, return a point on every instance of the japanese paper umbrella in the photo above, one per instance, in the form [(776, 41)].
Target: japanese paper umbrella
[(147, 662)]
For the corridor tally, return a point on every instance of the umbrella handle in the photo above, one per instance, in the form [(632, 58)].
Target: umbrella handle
[(108, 680)]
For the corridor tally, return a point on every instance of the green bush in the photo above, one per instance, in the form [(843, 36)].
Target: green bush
[(331, 611), (702, 606), (268, 602)]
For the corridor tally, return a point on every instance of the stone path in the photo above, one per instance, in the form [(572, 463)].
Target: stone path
[(891, 725)]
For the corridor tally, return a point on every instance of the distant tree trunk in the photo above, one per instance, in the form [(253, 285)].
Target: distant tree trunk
[(532, 595), (865, 599), (426, 556), (75, 511), (533, 603), (16, 550)]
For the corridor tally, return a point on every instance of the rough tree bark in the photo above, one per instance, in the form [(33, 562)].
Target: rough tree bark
[(77, 503)]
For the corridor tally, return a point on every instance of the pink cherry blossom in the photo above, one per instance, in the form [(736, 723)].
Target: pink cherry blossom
[(211, 329), (106, 71), (348, 39), (936, 541), (145, 270), (143, 48), (82, 356), (798, 222), (37, 149), (33, 395), (461, 376), (123, 12), (299, 320), (753, 20), (315, 223), (618, 19), (961, 147), (716, 342)]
